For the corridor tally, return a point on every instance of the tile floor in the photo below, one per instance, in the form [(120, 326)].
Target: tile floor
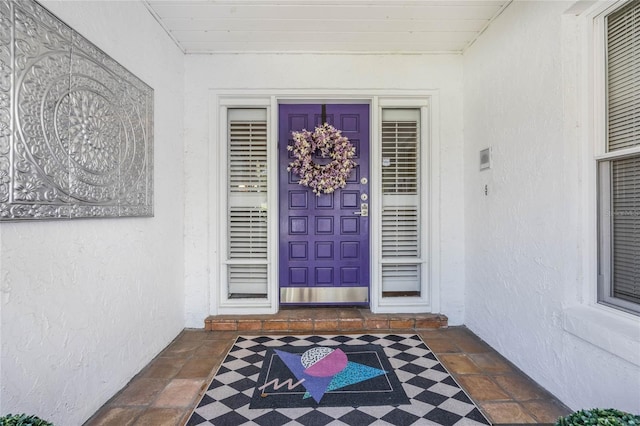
[(165, 391)]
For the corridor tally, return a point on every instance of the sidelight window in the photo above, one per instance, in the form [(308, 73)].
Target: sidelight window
[(401, 215), (247, 217)]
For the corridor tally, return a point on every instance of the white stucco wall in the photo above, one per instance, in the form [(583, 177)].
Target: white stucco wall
[(525, 240), (326, 73), (87, 303)]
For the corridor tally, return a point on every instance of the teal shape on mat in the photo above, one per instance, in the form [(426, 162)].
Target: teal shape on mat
[(353, 373)]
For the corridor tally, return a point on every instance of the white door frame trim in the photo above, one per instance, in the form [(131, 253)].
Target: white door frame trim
[(222, 99)]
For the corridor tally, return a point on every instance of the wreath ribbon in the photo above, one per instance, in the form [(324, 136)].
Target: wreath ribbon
[(328, 142)]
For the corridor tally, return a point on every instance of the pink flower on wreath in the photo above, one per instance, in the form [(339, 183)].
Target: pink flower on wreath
[(329, 143)]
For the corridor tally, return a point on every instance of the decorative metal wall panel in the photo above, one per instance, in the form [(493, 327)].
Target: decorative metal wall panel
[(76, 128)]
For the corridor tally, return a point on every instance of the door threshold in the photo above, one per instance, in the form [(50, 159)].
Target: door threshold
[(324, 295)]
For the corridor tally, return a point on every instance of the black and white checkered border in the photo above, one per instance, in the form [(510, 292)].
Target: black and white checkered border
[(436, 398)]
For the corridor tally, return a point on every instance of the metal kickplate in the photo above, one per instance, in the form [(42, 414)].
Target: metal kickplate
[(76, 128)]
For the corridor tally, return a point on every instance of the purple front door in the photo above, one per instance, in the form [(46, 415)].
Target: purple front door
[(324, 240)]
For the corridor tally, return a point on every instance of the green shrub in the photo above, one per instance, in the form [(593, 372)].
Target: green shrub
[(22, 420), (598, 416)]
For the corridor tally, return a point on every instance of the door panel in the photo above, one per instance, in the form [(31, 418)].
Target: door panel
[(324, 243)]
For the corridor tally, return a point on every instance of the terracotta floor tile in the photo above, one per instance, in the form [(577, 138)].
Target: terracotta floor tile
[(520, 387), (491, 362), (179, 393), (194, 335), (299, 325), (163, 368), (459, 364), (283, 313), (376, 324), (350, 313), (401, 323), (350, 323), (221, 335), (212, 348), (280, 324), (325, 325), (181, 348), (325, 314), (249, 325), (506, 412), (161, 417), (432, 334), (197, 368), (546, 411), (428, 323), (441, 345), (296, 314), (217, 362), (224, 326), (468, 342), (140, 391), (482, 388), (458, 332), (116, 416)]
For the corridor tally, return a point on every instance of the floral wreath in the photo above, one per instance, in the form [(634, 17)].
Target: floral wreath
[(331, 144)]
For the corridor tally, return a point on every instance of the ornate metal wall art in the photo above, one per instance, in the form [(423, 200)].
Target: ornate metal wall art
[(76, 128)]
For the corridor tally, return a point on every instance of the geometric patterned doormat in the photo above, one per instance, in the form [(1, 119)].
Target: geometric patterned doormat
[(340, 379), (325, 376)]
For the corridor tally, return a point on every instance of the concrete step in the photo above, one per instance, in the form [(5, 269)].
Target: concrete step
[(335, 319)]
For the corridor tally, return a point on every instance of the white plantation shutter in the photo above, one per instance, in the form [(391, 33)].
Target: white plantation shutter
[(248, 156), (247, 218), (248, 280), (401, 277), (619, 263), (401, 201), (400, 149), (400, 232), (247, 233)]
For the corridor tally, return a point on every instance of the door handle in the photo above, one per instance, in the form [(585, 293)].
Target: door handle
[(364, 210)]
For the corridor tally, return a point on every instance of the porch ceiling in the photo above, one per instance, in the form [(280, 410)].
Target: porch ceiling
[(325, 26)]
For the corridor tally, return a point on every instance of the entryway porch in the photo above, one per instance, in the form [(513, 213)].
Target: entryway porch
[(168, 389)]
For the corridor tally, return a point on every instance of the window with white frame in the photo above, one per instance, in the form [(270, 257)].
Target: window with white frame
[(247, 219), (619, 162), (401, 215)]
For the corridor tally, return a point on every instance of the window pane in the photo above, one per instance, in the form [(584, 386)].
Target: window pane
[(401, 202), (625, 203), (400, 232), (247, 281), (247, 218), (400, 152), (400, 280), (623, 77), (247, 151), (247, 233)]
